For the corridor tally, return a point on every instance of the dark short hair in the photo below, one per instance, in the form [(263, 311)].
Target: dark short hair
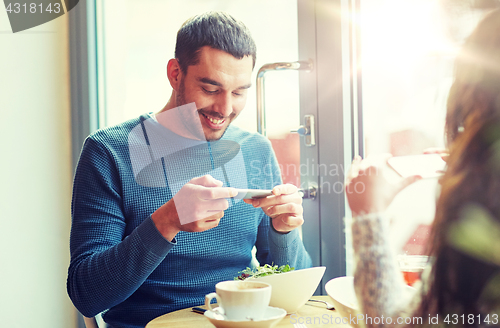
[(218, 30)]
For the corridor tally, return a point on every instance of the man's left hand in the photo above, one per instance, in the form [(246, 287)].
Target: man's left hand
[(284, 207)]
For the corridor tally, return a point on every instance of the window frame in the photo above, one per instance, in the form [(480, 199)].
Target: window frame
[(335, 126), (85, 114)]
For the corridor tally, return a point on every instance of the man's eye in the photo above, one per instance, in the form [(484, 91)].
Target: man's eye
[(239, 93), (211, 92)]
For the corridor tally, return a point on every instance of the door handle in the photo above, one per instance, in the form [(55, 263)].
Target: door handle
[(307, 130), (309, 193), (261, 109)]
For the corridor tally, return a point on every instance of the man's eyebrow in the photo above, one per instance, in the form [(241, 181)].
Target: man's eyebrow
[(206, 80), (246, 86)]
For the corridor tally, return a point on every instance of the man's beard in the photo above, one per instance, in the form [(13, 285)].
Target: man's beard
[(189, 119)]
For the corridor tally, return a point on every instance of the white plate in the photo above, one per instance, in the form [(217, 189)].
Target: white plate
[(271, 318), (341, 291)]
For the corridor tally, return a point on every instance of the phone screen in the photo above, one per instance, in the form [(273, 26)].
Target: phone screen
[(426, 165), (252, 193)]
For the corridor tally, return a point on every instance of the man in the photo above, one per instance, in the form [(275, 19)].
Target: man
[(152, 230)]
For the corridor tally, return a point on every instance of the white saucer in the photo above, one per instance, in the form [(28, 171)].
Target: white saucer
[(271, 318)]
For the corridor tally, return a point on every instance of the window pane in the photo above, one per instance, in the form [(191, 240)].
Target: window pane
[(408, 50), (137, 38)]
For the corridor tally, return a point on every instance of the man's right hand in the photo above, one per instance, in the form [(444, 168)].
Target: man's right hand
[(198, 206)]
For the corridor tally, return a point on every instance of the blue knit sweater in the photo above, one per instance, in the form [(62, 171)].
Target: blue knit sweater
[(122, 265)]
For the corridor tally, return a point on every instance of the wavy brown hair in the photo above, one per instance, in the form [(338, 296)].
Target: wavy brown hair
[(474, 95), (457, 280)]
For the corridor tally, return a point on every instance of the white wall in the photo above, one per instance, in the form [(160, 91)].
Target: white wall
[(35, 176)]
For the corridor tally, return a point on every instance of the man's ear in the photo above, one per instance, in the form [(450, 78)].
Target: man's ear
[(174, 73)]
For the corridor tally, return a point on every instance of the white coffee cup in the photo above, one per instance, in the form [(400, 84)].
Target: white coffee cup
[(240, 300)]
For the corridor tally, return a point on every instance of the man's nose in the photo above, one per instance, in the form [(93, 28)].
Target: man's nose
[(224, 104)]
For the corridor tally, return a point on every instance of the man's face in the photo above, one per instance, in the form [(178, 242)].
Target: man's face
[(218, 85)]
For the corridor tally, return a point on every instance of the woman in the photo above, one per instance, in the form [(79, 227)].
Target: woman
[(461, 287)]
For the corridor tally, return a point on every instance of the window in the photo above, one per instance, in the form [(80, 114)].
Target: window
[(407, 57), (382, 70), (136, 42)]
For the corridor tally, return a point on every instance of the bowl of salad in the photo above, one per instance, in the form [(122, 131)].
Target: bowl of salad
[(290, 288)]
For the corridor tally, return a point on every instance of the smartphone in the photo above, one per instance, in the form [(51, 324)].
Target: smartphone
[(425, 165), (252, 193)]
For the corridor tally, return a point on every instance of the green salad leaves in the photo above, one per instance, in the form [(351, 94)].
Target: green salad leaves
[(262, 271)]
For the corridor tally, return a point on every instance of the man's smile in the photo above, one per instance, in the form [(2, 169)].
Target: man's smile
[(212, 122)]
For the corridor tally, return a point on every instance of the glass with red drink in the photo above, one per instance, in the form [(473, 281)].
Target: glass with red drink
[(412, 266)]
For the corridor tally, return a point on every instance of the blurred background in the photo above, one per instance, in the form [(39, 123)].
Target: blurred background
[(403, 72)]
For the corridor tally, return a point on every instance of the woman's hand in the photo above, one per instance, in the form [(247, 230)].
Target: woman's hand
[(441, 151), (367, 190)]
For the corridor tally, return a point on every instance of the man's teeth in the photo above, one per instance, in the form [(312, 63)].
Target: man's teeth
[(213, 120)]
